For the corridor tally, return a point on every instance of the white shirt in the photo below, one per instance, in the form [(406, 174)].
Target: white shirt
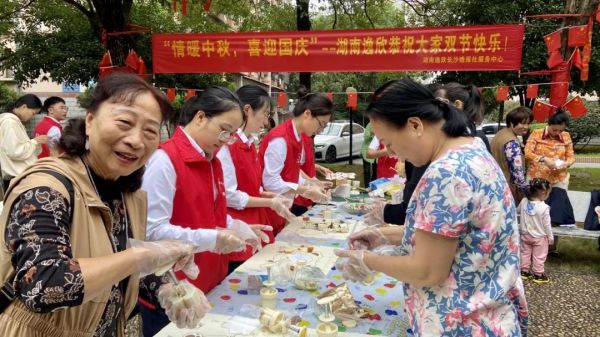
[(159, 183), (374, 145), (235, 198), (54, 134), (17, 151), (274, 162)]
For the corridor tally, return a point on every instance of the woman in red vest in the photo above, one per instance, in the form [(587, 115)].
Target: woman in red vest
[(386, 163), (287, 148), (186, 193), (243, 171)]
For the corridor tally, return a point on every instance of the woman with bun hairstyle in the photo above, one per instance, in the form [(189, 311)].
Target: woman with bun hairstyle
[(287, 149), (243, 170)]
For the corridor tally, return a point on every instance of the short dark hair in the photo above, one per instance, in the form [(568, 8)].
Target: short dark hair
[(317, 103), (50, 101), (518, 115), (469, 95), (398, 100), (559, 118), (30, 100), (115, 88), (213, 102), (537, 186)]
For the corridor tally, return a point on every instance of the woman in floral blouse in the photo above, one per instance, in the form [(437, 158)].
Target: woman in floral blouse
[(459, 251), (506, 149), (72, 224)]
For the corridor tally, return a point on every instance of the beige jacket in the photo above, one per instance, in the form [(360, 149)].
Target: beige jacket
[(17, 151), (89, 238)]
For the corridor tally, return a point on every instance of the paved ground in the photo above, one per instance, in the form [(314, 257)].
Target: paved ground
[(567, 306)]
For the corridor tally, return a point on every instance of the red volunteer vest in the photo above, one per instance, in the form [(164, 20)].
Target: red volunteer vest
[(248, 173), (194, 205), (42, 129), (385, 165), (308, 167), (291, 165)]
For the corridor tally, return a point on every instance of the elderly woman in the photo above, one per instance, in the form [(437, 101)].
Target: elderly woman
[(17, 151), (506, 149), (458, 255), (68, 223)]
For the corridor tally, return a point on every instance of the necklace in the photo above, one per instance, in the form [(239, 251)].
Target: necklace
[(112, 237)]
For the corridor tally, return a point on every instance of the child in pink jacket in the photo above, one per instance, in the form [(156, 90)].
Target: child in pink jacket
[(536, 231)]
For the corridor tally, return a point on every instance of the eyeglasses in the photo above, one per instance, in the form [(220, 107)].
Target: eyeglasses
[(225, 136), (322, 124)]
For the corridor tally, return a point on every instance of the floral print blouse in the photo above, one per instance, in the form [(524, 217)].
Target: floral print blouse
[(514, 157), (464, 195), (540, 144), (48, 278)]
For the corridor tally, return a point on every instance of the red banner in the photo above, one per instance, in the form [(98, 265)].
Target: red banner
[(493, 47)]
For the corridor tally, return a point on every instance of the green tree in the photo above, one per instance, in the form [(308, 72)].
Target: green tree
[(7, 95)]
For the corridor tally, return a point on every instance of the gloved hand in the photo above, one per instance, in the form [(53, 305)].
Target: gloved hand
[(281, 206), (158, 256), (265, 194), (375, 215), (316, 194), (184, 304), (368, 238), (228, 241), (323, 184), (246, 233), (352, 264), (259, 231)]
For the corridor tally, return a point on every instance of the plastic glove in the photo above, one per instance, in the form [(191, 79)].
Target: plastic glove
[(265, 194), (375, 215), (352, 264), (159, 256), (228, 241), (246, 233), (184, 304), (281, 206), (317, 195), (259, 231), (368, 238), (319, 183)]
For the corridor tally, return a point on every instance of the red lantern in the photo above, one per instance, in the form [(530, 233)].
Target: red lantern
[(190, 93), (171, 94), (352, 101), (576, 107), (532, 91), (502, 93), (282, 99)]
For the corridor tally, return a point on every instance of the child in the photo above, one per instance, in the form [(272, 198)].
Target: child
[(536, 231)]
